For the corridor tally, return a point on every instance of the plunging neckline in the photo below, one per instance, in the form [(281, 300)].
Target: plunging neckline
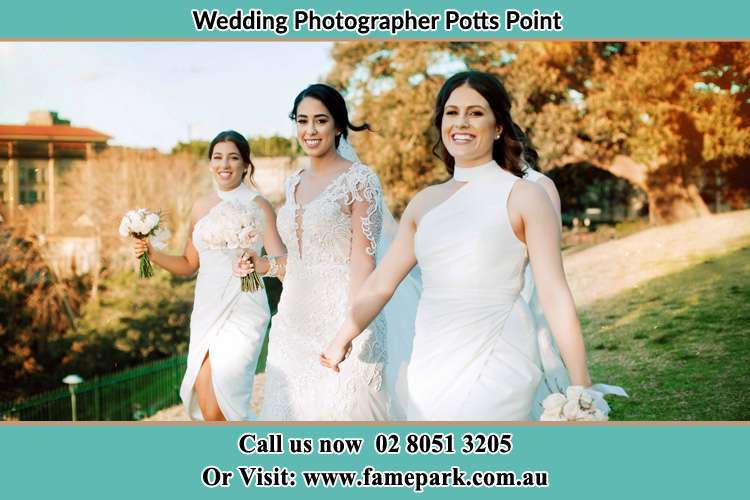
[(300, 209), (328, 186)]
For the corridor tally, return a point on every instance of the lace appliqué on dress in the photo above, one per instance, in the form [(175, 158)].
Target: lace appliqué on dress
[(318, 237)]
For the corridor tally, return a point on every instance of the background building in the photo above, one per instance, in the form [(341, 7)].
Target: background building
[(34, 156)]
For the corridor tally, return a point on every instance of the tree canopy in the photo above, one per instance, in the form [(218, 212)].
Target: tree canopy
[(668, 117)]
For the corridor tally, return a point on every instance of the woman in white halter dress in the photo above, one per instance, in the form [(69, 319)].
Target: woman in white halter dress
[(475, 354), (227, 326)]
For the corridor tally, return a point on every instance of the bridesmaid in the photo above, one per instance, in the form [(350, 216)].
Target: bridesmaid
[(227, 326), (475, 354)]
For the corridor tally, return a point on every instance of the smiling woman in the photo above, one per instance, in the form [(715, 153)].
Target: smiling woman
[(227, 325), (331, 223), (475, 353)]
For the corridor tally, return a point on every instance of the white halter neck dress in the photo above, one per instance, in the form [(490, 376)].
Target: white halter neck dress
[(227, 323)]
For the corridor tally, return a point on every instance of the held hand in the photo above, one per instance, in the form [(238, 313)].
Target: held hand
[(245, 264), (140, 247), (334, 354)]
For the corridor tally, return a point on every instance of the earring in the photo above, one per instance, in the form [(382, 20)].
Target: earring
[(497, 136)]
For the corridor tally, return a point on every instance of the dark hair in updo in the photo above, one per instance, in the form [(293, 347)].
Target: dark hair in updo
[(509, 151), (334, 102), (242, 145)]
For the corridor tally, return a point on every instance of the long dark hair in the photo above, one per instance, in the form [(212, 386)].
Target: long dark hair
[(334, 102), (242, 145), (508, 150)]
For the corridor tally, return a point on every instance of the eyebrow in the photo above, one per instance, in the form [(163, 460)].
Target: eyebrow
[(319, 115), (481, 106)]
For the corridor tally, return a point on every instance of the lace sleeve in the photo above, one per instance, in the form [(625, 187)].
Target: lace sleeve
[(365, 187), (290, 184)]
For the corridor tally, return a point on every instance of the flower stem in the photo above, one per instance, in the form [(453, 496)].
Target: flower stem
[(251, 282)]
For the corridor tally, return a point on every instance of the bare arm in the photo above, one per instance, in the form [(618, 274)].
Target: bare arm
[(181, 265), (271, 242), (551, 190), (376, 290), (540, 223)]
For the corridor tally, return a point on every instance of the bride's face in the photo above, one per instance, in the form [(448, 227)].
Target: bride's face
[(226, 165), (469, 127), (316, 130)]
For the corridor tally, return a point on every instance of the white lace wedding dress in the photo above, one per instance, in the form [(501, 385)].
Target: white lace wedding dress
[(313, 305), (475, 354), (227, 323)]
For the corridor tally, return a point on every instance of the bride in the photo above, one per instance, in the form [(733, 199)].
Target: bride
[(227, 326), (475, 354), (330, 223)]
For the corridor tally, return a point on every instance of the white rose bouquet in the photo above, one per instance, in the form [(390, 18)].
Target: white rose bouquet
[(142, 224), (576, 405), (237, 226)]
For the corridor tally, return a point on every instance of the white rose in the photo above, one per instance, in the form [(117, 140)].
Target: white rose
[(152, 220), (586, 401), (124, 230), (138, 224), (247, 237), (554, 401), (591, 416), (574, 392), (570, 409), (551, 416), (233, 241), (216, 239)]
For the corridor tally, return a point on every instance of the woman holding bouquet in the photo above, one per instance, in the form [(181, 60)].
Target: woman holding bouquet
[(475, 353), (330, 223), (227, 326)]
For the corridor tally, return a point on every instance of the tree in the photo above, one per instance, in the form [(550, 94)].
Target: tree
[(273, 146), (96, 194), (37, 308), (198, 149), (664, 116)]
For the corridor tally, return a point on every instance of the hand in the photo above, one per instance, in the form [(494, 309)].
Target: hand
[(334, 354), (245, 264), (141, 246)]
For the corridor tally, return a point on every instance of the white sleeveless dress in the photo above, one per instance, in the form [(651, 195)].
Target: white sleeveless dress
[(475, 353), (313, 306), (226, 322)]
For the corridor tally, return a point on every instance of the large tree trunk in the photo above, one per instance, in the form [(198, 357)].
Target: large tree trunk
[(672, 198), (672, 193)]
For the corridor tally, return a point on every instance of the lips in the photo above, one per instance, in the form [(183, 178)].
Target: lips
[(225, 174), (312, 143), (462, 138)]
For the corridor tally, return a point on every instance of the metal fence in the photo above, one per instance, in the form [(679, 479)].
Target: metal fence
[(127, 395)]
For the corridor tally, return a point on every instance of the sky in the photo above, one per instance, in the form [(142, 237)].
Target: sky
[(155, 94)]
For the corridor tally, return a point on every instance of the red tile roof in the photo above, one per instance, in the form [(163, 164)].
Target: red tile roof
[(50, 133)]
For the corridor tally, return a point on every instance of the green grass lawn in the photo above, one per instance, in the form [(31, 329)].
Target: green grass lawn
[(679, 345)]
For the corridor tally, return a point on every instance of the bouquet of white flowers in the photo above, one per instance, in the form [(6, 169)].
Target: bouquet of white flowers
[(142, 224), (577, 404), (234, 225)]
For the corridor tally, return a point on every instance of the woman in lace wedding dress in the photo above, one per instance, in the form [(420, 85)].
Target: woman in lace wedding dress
[(330, 223), (227, 326), (475, 353)]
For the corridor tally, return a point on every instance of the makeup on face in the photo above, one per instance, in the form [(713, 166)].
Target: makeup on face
[(227, 165), (469, 128), (316, 130)]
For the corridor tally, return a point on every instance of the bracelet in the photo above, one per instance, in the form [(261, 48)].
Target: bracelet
[(274, 268)]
